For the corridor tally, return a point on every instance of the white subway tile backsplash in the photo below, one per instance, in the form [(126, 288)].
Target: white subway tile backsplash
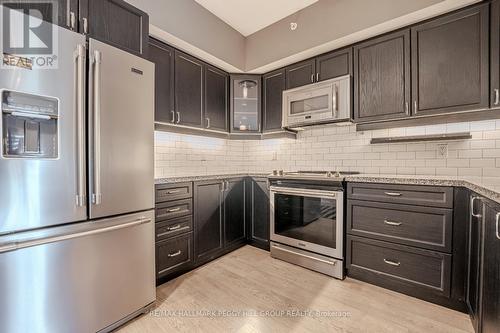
[(333, 147)]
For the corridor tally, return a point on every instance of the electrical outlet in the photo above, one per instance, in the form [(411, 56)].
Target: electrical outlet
[(442, 151)]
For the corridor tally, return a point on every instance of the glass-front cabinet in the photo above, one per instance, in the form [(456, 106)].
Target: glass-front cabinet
[(245, 103)]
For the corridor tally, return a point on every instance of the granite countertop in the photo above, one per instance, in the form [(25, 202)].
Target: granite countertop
[(488, 187), (172, 180)]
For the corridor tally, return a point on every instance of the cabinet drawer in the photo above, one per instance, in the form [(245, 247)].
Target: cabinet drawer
[(399, 267), (169, 192), (170, 228), (172, 209), (174, 254), (433, 196), (425, 227)]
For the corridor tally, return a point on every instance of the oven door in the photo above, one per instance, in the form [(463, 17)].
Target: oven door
[(308, 219)]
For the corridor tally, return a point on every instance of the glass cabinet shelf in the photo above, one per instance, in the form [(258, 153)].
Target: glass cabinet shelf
[(245, 103)]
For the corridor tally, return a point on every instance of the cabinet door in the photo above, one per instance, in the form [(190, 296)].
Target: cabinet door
[(208, 220), (162, 56), (216, 98), (257, 205), (245, 103), (450, 63), (61, 12), (234, 212), (334, 64), (301, 74), (188, 90), (117, 23), (474, 261), (495, 54), (382, 77), (491, 270), (274, 84)]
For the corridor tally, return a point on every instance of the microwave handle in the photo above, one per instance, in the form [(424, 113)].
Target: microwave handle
[(334, 101)]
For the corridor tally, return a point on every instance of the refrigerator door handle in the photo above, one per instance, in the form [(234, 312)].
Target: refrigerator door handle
[(58, 238), (97, 196), (80, 121)]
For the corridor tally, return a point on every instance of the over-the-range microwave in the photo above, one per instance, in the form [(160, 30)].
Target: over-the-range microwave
[(318, 103)]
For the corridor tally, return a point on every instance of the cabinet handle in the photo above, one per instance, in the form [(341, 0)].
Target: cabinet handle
[(415, 106), (208, 122), (393, 194), (173, 191), (472, 208), (174, 227), (497, 222), (72, 20), (178, 117), (312, 78), (397, 224), (173, 210), (317, 77), (173, 117), (85, 25), (407, 108), (175, 254), (392, 263), (497, 96)]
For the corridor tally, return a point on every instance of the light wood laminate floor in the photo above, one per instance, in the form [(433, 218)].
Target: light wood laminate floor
[(250, 280)]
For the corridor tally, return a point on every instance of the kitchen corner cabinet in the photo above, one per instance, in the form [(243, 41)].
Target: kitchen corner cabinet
[(216, 101), (301, 74), (273, 84), (162, 56), (382, 77), (188, 90), (450, 60), (475, 232), (115, 22), (257, 212), (245, 104)]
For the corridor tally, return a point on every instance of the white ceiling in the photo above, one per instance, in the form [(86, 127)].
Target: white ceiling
[(249, 16)]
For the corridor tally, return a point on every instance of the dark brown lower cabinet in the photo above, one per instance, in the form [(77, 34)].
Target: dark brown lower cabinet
[(208, 220), (174, 254), (483, 283), (257, 212), (234, 212)]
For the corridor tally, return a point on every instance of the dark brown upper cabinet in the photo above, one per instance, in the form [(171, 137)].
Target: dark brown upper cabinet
[(450, 59), (495, 54), (216, 99), (188, 90), (382, 77), (301, 74), (162, 56), (115, 22), (273, 86), (334, 64)]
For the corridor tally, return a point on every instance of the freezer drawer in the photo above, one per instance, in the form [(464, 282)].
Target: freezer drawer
[(78, 278)]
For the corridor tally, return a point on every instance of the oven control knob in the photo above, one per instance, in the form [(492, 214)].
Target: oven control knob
[(275, 172), (281, 172)]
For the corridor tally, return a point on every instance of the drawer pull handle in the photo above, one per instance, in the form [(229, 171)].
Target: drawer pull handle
[(397, 224), (497, 222), (393, 194), (392, 263), (173, 210), (173, 191), (174, 227), (175, 254), (160, 235)]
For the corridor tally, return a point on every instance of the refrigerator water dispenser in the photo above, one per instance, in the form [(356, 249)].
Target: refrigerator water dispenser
[(29, 125)]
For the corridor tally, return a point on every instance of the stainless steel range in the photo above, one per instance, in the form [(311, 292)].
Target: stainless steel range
[(307, 219)]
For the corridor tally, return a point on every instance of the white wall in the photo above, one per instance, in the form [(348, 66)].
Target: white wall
[(330, 147)]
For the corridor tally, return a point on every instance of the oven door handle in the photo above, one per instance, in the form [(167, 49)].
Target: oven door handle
[(305, 192)]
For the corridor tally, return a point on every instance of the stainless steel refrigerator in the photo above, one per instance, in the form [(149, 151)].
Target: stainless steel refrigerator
[(76, 190)]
